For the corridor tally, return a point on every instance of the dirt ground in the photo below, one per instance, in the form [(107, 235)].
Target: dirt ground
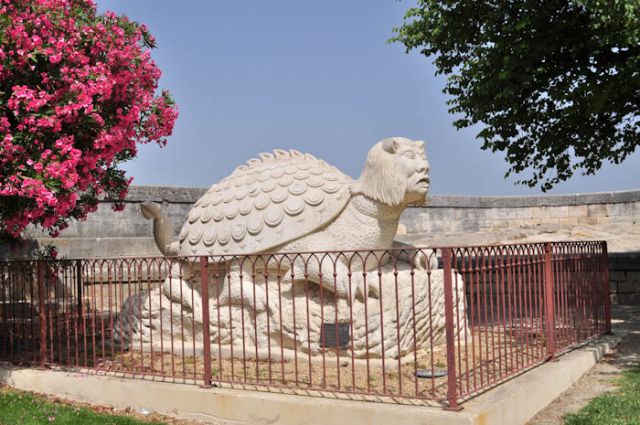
[(600, 379), (626, 320)]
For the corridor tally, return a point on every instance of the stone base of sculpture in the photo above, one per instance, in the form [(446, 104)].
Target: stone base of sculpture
[(404, 314)]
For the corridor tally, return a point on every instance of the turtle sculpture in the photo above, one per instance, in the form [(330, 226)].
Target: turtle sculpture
[(289, 202)]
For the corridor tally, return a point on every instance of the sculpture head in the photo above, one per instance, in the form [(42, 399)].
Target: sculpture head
[(396, 172)]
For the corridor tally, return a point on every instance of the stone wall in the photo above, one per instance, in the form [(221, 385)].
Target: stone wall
[(454, 220), (108, 233), (624, 278), (445, 220)]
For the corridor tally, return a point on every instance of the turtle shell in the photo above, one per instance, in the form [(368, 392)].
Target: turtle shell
[(265, 203)]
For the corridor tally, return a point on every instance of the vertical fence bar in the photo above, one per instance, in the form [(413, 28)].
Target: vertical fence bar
[(42, 316), (548, 302), (568, 279), (79, 284), (206, 337), (452, 391), (605, 284)]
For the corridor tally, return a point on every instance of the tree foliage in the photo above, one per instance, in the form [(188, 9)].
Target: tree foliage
[(77, 93), (554, 84)]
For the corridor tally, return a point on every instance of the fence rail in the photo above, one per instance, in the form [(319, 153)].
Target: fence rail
[(421, 326)]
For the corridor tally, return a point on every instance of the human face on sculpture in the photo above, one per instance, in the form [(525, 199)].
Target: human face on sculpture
[(414, 162)]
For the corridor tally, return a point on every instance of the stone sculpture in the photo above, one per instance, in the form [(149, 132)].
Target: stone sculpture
[(289, 202)]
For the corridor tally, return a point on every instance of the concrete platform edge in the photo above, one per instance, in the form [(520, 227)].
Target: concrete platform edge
[(518, 400), (513, 402), (221, 406)]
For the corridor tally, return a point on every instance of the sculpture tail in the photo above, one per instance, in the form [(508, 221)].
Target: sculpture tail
[(162, 228)]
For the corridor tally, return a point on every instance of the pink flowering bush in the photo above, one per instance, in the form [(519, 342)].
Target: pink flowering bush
[(77, 93)]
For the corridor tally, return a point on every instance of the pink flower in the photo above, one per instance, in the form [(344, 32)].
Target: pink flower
[(100, 81)]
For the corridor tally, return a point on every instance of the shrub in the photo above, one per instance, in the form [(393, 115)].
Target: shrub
[(77, 93)]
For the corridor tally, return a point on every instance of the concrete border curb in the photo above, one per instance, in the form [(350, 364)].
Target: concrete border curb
[(518, 400), (513, 402)]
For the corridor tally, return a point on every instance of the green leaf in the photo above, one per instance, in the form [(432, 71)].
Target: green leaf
[(555, 83)]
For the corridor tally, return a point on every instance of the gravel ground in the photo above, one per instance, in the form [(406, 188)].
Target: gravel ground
[(600, 379)]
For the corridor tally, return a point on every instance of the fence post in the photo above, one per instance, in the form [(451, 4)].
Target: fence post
[(79, 284), (206, 337), (605, 284), (452, 390), (550, 320), (42, 316)]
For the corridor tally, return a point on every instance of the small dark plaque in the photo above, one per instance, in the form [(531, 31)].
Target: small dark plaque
[(335, 335)]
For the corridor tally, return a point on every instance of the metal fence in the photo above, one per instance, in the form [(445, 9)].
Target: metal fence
[(429, 326)]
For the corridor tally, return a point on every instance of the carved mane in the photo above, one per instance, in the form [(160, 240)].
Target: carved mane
[(383, 178)]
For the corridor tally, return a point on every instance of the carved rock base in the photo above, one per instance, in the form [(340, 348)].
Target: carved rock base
[(407, 315)]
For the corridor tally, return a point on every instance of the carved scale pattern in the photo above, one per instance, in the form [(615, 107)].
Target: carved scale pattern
[(265, 203)]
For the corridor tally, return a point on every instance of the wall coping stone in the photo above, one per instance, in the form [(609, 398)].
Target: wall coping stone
[(188, 195), (448, 201), (172, 194)]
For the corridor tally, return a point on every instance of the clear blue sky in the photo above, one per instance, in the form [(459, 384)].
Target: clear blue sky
[(317, 76)]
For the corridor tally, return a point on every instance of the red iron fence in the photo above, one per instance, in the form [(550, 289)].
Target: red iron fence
[(421, 326)]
